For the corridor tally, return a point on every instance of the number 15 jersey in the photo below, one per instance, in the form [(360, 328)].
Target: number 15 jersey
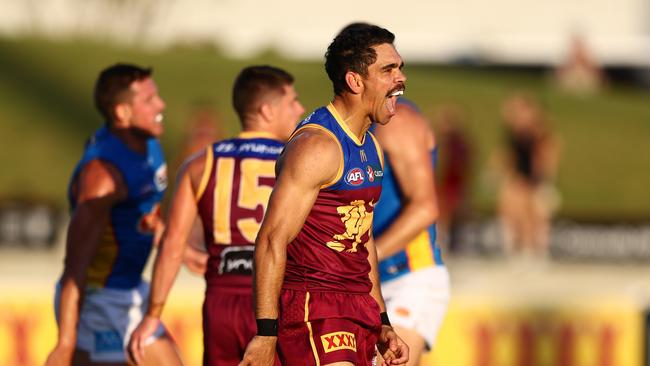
[(232, 198)]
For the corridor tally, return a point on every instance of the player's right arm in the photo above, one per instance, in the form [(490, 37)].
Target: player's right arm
[(182, 213), (310, 160), (99, 187)]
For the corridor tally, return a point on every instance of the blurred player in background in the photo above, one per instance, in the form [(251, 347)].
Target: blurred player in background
[(414, 281), (317, 292), (115, 193), (228, 187)]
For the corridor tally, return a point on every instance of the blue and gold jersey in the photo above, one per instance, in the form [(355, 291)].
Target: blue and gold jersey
[(329, 253), (421, 252), (128, 237)]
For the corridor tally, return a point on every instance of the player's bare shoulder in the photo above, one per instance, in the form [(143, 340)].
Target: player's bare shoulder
[(99, 179), (313, 152)]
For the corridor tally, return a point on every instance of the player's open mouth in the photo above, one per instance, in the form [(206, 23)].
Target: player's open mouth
[(159, 118), (391, 99)]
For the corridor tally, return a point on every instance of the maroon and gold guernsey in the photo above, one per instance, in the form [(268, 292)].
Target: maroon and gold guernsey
[(329, 253), (232, 198)]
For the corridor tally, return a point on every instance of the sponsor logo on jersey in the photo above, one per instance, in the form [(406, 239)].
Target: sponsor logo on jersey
[(338, 341), (237, 260), (224, 147), (260, 148), (374, 173), (160, 178), (371, 174), (354, 177)]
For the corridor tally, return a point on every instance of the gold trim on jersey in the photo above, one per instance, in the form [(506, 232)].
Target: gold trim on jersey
[(380, 151), (339, 172), (102, 263), (419, 252), (311, 331), (344, 126), (257, 135), (205, 177)]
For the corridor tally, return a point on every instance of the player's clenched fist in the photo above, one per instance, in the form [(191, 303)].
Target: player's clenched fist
[(391, 347), (260, 352)]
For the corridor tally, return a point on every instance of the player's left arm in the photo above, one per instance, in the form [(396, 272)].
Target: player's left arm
[(408, 141), (390, 345)]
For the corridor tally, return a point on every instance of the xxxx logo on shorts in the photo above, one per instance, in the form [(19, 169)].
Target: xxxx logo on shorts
[(339, 341)]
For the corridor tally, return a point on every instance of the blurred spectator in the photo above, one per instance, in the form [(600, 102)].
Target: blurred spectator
[(529, 161), (454, 166), (204, 128), (580, 73)]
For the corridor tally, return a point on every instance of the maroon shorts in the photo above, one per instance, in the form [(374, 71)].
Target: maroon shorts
[(228, 326), (318, 328)]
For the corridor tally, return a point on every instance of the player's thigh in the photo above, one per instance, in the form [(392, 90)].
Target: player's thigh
[(82, 358), (162, 352), (415, 341), (345, 363)]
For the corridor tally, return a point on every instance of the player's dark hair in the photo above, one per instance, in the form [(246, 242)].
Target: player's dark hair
[(352, 50), (253, 83), (113, 86)]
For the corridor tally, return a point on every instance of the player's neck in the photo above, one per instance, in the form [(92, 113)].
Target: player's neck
[(259, 128), (353, 115), (133, 139)]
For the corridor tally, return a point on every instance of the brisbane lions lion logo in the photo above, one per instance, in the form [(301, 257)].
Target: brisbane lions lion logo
[(357, 221)]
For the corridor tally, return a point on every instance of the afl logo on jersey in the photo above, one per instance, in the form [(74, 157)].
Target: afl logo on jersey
[(354, 177)]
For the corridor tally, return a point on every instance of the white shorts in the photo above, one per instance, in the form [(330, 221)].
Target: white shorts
[(107, 319), (418, 301)]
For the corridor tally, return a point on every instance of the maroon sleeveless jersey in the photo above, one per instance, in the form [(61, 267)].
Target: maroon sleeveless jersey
[(232, 199), (329, 253)]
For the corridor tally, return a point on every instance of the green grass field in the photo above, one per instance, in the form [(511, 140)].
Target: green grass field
[(46, 112)]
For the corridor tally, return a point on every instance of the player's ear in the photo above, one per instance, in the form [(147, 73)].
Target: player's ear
[(354, 82), (121, 113), (266, 111)]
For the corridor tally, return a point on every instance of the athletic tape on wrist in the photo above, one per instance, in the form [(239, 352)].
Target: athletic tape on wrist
[(384, 319), (267, 327)]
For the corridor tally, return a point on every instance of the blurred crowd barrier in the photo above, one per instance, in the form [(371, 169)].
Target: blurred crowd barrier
[(570, 240), (478, 331), (37, 225), (29, 224)]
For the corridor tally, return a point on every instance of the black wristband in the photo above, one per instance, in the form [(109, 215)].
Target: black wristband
[(267, 327), (384, 319)]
